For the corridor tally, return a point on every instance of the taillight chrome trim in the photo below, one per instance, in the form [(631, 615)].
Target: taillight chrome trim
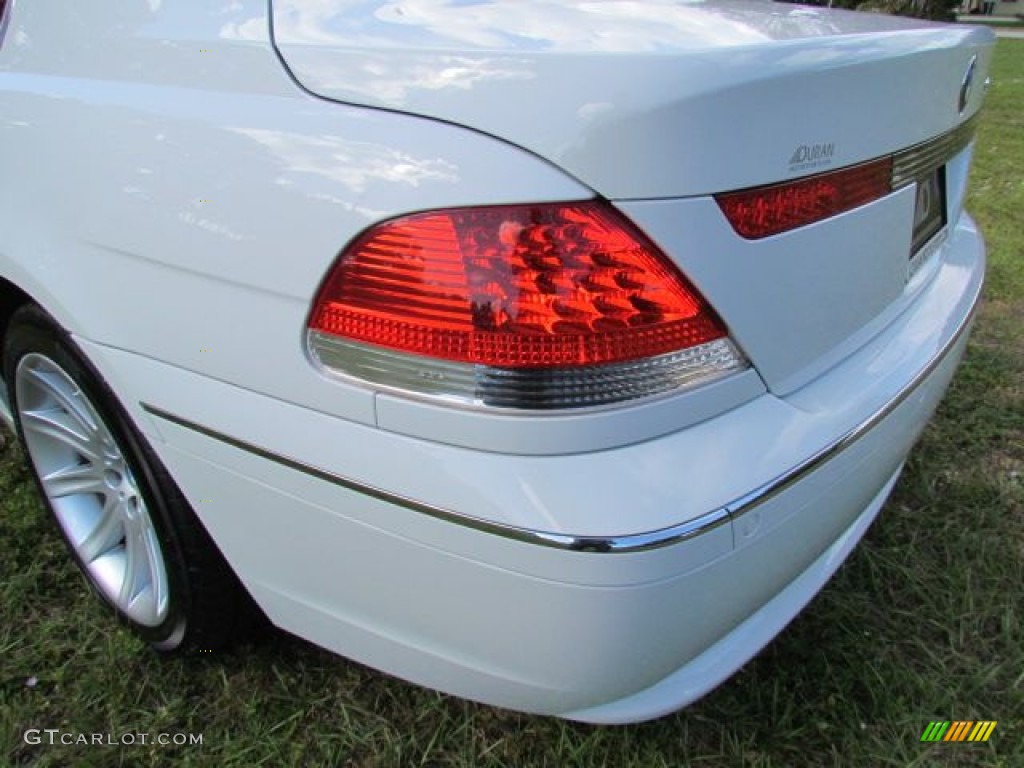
[(526, 390), (918, 161)]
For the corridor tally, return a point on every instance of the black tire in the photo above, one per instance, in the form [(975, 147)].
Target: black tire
[(124, 490)]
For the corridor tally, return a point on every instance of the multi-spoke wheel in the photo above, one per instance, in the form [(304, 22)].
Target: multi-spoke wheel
[(91, 490), (127, 525)]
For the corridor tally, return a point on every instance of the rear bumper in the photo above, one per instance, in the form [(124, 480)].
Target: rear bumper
[(386, 569), (726, 655)]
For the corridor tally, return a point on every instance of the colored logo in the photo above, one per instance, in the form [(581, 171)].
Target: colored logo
[(958, 730)]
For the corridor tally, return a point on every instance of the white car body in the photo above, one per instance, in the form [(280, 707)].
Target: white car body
[(180, 177)]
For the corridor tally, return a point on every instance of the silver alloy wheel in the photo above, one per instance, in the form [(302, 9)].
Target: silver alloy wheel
[(92, 490)]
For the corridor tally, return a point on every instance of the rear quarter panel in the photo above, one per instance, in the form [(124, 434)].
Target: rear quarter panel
[(168, 190)]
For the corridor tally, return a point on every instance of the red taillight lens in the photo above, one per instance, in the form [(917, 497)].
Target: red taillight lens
[(516, 286), (554, 287), (771, 210)]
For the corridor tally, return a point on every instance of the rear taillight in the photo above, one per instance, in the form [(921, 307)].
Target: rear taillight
[(528, 306), (776, 208)]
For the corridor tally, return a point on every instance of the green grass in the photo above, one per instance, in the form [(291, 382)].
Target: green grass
[(924, 621)]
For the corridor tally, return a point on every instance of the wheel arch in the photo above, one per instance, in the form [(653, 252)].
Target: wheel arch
[(210, 599), (15, 294), (11, 298)]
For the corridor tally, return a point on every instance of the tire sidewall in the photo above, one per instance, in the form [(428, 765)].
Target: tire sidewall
[(31, 331)]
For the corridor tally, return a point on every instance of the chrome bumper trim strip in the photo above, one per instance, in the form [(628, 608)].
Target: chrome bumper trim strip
[(637, 542), (631, 543), (779, 485)]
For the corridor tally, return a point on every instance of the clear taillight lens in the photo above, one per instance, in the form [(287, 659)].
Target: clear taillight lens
[(531, 306)]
